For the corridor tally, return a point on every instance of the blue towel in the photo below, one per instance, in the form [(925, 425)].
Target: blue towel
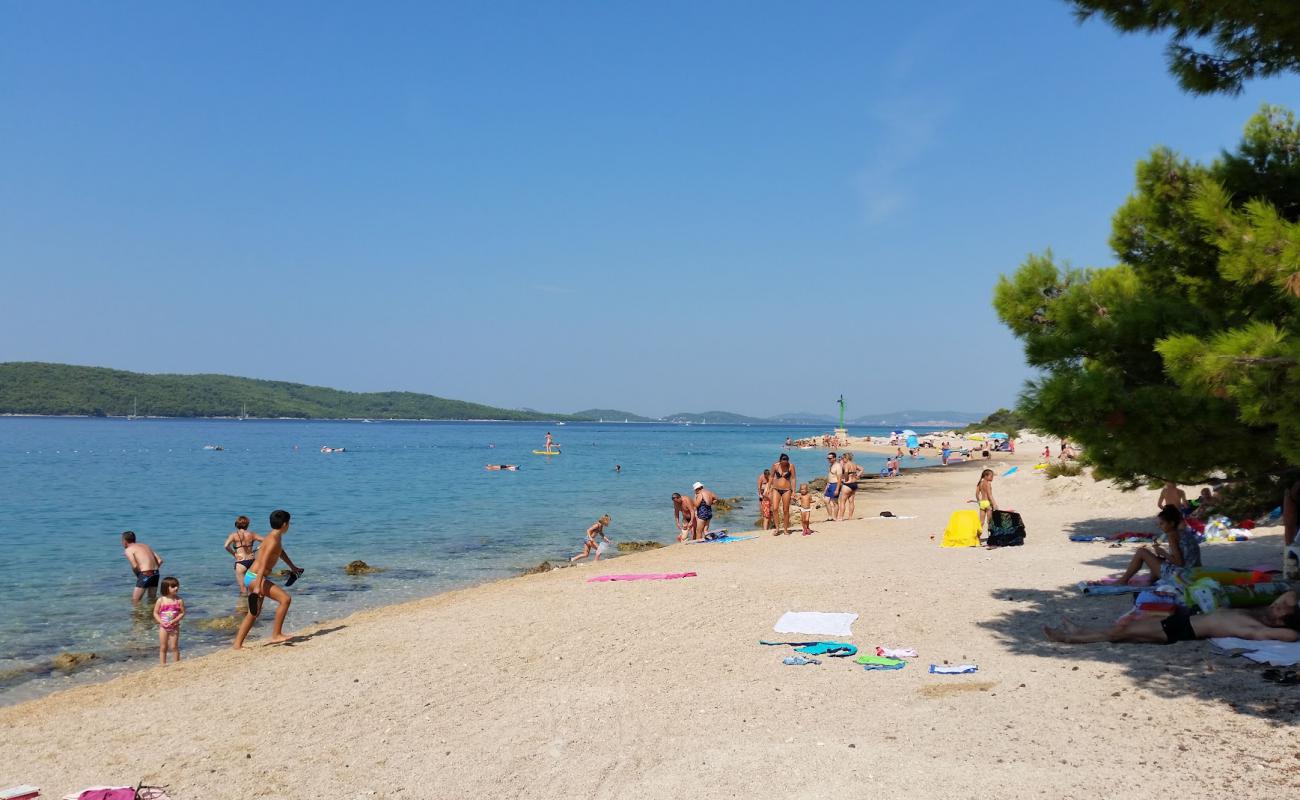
[(722, 539)]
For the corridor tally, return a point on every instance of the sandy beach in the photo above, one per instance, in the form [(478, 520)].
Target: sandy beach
[(549, 686)]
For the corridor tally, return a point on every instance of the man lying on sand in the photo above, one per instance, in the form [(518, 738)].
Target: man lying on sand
[(1279, 622)]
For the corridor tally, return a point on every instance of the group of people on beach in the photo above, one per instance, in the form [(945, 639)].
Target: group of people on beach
[(776, 494), (255, 557)]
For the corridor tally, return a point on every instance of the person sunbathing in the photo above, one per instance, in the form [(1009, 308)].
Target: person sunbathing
[(1279, 621)]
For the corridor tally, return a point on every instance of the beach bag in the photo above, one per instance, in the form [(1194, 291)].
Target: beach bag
[(1006, 529)]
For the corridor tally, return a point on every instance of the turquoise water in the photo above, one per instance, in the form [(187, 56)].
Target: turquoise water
[(410, 497)]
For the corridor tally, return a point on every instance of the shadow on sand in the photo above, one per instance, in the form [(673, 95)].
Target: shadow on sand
[(1186, 669), (306, 637)]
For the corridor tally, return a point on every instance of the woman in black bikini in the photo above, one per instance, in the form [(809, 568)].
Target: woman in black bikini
[(849, 474), (782, 487), (240, 545)]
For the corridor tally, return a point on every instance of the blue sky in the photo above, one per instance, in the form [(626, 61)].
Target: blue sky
[(752, 206)]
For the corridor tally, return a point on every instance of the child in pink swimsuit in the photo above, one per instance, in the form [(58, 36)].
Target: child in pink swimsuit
[(169, 610)]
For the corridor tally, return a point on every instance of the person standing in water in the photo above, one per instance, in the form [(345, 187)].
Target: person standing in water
[(590, 546), (145, 563), (549, 441), (261, 587), (782, 489), (240, 544)]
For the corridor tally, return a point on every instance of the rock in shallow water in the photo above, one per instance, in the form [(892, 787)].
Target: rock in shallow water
[(361, 568), (70, 661), (636, 547)]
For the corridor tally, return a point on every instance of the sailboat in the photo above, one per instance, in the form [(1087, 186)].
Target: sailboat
[(133, 409), (243, 413)]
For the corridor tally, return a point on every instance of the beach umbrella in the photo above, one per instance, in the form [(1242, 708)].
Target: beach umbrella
[(998, 436), (908, 433), (976, 437), (895, 433)]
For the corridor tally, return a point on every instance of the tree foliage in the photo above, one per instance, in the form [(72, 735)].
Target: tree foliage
[(1214, 46), (1182, 359), (1001, 420), (54, 389)]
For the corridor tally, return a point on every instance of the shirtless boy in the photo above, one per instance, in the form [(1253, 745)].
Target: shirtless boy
[(145, 563), (1279, 622), (1171, 495), (260, 586)]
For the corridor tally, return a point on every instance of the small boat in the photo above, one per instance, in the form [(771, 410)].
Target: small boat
[(502, 467), (333, 449), (213, 447)]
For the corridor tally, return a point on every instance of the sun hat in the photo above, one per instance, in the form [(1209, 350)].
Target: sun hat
[(697, 485)]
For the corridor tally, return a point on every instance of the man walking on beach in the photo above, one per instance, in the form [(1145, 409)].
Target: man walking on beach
[(261, 587), (145, 563)]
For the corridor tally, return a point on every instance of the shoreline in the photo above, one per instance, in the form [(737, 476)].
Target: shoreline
[(548, 686), (124, 664)]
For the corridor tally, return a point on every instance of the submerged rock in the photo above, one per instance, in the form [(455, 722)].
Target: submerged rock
[(545, 566), (229, 623), (359, 567), (725, 505), (70, 661), (636, 547)]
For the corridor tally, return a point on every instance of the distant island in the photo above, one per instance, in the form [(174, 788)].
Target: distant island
[(43, 389), (65, 390)]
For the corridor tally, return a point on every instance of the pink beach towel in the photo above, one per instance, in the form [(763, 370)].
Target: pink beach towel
[(642, 576)]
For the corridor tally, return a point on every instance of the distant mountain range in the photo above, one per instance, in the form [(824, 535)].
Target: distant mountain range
[(64, 389), (920, 418)]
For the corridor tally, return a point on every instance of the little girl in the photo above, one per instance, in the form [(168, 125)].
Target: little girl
[(590, 546), (169, 610), (805, 501)]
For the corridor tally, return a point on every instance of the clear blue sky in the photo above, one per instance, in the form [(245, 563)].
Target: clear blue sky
[(752, 206)]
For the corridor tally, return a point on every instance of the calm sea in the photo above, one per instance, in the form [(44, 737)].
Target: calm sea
[(410, 497)]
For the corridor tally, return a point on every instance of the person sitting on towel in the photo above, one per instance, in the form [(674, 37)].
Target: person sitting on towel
[(1279, 622), (1184, 549)]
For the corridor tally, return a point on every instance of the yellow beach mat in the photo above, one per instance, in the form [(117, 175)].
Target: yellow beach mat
[(963, 529)]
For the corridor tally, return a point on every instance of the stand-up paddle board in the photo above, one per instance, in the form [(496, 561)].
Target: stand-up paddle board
[(546, 452)]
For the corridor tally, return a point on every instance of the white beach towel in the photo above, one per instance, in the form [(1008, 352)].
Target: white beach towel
[(1279, 654), (817, 622)]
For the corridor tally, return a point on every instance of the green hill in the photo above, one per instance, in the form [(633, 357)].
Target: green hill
[(61, 389)]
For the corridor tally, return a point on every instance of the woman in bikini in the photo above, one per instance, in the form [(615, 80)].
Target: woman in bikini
[(984, 497), (239, 545), (782, 488), (849, 474)]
